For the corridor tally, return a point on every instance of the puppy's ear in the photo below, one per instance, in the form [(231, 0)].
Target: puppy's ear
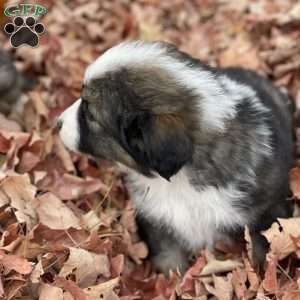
[(157, 142)]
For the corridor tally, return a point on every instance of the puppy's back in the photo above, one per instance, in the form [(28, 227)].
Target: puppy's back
[(277, 101)]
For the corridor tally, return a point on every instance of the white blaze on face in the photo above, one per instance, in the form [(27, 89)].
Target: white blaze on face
[(69, 132)]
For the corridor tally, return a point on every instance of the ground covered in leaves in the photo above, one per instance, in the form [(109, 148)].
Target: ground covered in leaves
[(67, 226)]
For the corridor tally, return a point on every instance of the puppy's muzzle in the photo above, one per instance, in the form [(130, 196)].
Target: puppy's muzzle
[(68, 128)]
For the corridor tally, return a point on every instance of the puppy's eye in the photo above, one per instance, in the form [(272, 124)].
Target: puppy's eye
[(86, 110)]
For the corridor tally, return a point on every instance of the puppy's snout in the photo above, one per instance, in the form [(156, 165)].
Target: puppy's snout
[(68, 127), (59, 125)]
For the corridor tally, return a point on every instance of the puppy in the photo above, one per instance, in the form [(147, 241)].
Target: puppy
[(206, 150), (12, 83)]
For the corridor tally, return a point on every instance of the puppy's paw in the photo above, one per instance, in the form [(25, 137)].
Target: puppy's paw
[(172, 259)]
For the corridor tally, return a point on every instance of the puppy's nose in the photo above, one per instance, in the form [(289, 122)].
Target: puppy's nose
[(59, 125)]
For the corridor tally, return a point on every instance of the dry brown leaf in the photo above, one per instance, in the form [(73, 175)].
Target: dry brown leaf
[(14, 262), (239, 278), (70, 286), (43, 236), (64, 155), (19, 193), (68, 296), (249, 244), (241, 53), (270, 282), (12, 290), (29, 249), (222, 289), (291, 16), (103, 290), (281, 243), (9, 125), (252, 276), (53, 213), (117, 265), (295, 181), (86, 266), (38, 103), (37, 272), (69, 187), (90, 221), (31, 153), (128, 219), (1, 288), (215, 266), (139, 250), (291, 226), (291, 290), (187, 283), (47, 292), (136, 251)]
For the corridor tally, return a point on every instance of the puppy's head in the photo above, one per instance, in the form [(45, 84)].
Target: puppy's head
[(136, 109)]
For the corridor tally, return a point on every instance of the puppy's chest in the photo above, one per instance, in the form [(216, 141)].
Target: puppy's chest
[(197, 217)]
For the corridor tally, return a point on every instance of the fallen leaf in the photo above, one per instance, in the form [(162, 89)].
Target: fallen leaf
[(53, 213), (72, 288), (291, 226), (47, 292), (239, 278), (37, 272), (222, 289), (187, 283), (215, 266), (14, 289), (295, 181), (64, 155), (270, 282), (117, 265), (241, 52), (1, 287), (252, 276), (16, 141), (9, 125), (86, 266), (19, 193), (17, 263), (103, 290), (90, 221), (31, 153), (69, 187), (281, 243)]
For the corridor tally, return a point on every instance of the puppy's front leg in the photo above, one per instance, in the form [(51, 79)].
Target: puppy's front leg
[(165, 252)]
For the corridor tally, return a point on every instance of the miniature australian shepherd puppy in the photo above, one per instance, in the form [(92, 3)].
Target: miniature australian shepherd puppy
[(206, 151)]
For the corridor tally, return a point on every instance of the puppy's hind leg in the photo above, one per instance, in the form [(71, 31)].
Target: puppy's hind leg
[(165, 252)]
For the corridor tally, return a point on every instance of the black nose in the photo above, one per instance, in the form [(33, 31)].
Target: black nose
[(59, 124)]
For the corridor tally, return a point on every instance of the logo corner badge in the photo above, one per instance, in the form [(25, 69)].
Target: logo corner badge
[(25, 28)]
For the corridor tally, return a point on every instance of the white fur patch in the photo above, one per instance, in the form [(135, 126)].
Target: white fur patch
[(240, 91), (69, 132), (197, 216), (216, 107)]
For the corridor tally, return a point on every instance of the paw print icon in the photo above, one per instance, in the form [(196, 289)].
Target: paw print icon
[(24, 31)]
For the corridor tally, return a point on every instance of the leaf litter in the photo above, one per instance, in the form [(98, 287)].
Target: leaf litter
[(67, 226)]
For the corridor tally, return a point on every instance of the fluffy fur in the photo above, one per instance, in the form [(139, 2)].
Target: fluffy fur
[(205, 151)]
